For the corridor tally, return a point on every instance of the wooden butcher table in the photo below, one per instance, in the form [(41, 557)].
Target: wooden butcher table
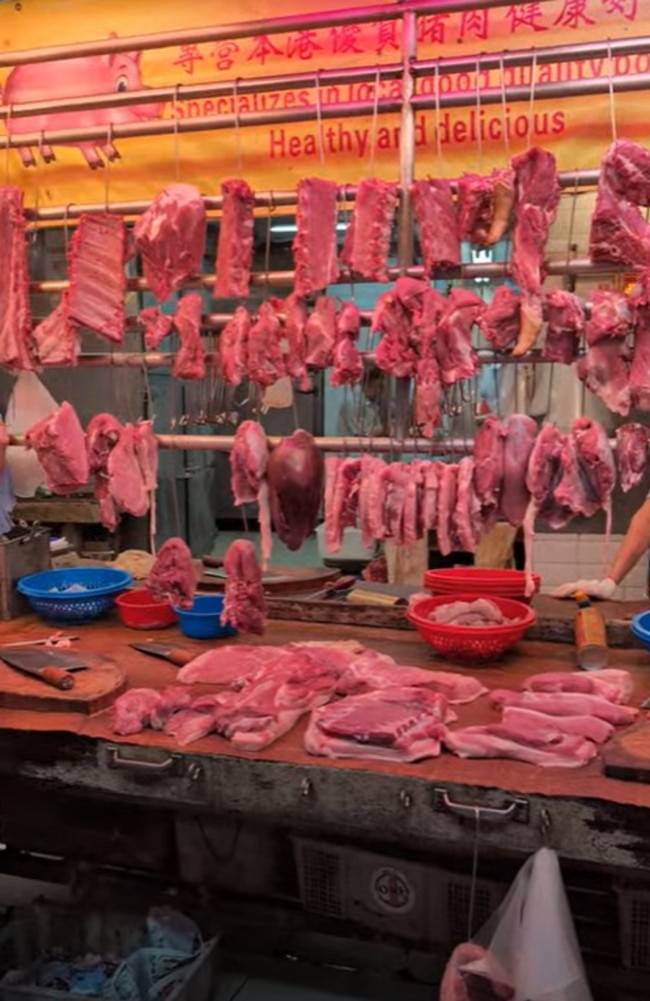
[(586, 816)]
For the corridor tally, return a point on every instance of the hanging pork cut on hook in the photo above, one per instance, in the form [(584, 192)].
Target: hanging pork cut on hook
[(485, 206), (437, 221), (589, 472), (520, 435), (631, 454), (348, 364), (57, 340), (235, 241), (565, 325), (619, 233), (173, 577), (189, 360), (97, 255), (170, 237), (314, 245), (249, 458), (265, 361), (244, 606), (605, 371), (295, 473), (320, 333), (294, 308), (453, 342), (16, 341), (156, 325), (489, 466), (500, 321), (233, 348), (544, 472), (60, 444), (367, 238)]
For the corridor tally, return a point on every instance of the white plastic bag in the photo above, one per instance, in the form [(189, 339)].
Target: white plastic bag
[(29, 402), (531, 942)]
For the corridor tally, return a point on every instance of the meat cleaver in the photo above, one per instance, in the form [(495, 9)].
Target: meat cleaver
[(166, 651), (52, 667)]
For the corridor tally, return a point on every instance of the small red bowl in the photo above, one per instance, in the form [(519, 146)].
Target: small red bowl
[(471, 644), (140, 610)]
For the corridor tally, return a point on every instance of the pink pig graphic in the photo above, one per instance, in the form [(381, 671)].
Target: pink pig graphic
[(79, 77)]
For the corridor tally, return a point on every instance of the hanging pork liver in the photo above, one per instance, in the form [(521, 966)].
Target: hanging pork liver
[(295, 474)]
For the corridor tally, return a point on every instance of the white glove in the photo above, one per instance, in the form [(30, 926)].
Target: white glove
[(603, 589)]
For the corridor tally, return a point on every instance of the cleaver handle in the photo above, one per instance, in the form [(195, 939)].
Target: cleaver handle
[(58, 677), (180, 657)]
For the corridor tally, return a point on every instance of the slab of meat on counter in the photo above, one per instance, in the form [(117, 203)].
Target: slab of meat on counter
[(156, 325), (437, 221), (564, 327), (170, 237), (172, 700), (314, 245), (605, 371), (173, 577), (610, 683), (189, 360), (249, 459), (391, 724), (631, 454), (619, 232), (244, 606), (295, 474), (366, 242), (370, 671), (567, 704), (60, 445), (520, 437), (239, 664), (610, 316), (320, 333), (233, 348), (265, 361), (516, 718), (96, 259), (481, 612), (538, 195), (235, 241), (489, 465), (501, 741), (500, 321), (16, 342), (57, 340), (456, 356), (348, 364), (135, 710)]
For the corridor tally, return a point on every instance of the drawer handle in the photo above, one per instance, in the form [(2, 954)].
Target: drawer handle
[(517, 810), (139, 765)]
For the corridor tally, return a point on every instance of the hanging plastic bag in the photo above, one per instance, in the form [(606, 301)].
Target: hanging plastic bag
[(29, 402), (531, 941)]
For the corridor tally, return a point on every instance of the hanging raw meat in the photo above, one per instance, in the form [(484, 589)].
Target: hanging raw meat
[(589, 471), (126, 482), (437, 221), (314, 246), (499, 323), (320, 333), (631, 454), (371, 499), (610, 316), (295, 475), (102, 434), (235, 242), (427, 396), (565, 325), (456, 356), (60, 445), (97, 289), (265, 362), (157, 326), (56, 338), (170, 237), (295, 321), (467, 514), (249, 458), (489, 465), (189, 360), (16, 342), (619, 233), (396, 354), (447, 495), (626, 169), (605, 371), (640, 368), (538, 195), (485, 206), (233, 347), (545, 469), (173, 577), (342, 487), (520, 435), (146, 450), (367, 238), (244, 606), (348, 364)]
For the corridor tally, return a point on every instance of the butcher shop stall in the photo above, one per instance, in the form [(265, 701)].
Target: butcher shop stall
[(324, 615)]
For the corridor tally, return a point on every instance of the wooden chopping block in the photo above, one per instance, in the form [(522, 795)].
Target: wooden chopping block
[(95, 688), (407, 564), (627, 755)]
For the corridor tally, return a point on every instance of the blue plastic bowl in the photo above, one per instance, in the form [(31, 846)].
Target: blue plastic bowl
[(201, 621), (640, 627), (73, 594)]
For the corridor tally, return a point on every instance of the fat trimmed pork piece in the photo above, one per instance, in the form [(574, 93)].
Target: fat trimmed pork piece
[(235, 242), (367, 238), (437, 221), (314, 246), (244, 606), (567, 704), (97, 255), (610, 683), (497, 742), (173, 577), (527, 721), (170, 236), (60, 445)]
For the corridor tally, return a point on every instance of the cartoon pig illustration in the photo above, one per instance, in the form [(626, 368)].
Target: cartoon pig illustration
[(79, 77)]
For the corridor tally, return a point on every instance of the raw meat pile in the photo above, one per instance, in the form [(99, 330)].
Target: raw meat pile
[(244, 606), (172, 577), (481, 612), (170, 237)]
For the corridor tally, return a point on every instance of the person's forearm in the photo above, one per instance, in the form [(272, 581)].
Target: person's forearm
[(632, 547)]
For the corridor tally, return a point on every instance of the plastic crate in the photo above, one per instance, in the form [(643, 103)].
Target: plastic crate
[(42, 929), (634, 922)]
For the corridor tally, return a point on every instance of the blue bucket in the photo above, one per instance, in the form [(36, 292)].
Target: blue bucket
[(640, 627), (201, 621)]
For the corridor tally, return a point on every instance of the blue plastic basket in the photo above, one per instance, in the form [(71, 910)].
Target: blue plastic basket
[(73, 594), (640, 627)]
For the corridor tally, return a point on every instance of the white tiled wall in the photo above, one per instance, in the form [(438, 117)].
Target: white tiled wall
[(560, 558)]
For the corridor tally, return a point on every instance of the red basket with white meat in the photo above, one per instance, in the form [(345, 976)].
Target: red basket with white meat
[(471, 628)]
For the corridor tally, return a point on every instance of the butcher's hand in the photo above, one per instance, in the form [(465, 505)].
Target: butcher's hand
[(603, 589)]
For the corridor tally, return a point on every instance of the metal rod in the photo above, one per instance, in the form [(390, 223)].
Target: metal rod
[(244, 29), (223, 443)]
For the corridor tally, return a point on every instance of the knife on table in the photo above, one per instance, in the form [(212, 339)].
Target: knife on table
[(50, 667), (166, 651)]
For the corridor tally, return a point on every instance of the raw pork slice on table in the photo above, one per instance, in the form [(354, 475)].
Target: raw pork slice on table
[(437, 221), (265, 361), (610, 683), (244, 606), (173, 577), (60, 445), (342, 490), (189, 360), (320, 333), (170, 237), (295, 474), (348, 364), (565, 325), (589, 472), (233, 348), (489, 464), (500, 321), (499, 741), (314, 245), (16, 342), (156, 325), (57, 339), (567, 704), (249, 458), (631, 454), (529, 721), (97, 289), (135, 709), (453, 344), (370, 671), (520, 436), (367, 238), (538, 195), (388, 724), (605, 371), (235, 241)]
